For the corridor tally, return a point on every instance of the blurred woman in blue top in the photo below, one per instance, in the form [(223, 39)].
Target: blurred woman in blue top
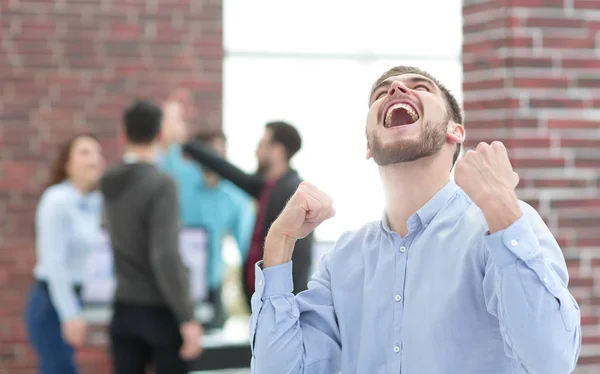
[(67, 226)]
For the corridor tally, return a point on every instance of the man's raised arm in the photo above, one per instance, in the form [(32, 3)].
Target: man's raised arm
[(294, 334)]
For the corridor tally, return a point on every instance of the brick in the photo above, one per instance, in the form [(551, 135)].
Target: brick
[(530, 62), (572, 124), (487, 104), (484, 84), (539, 3), (588, 83), (544, 82), (569, 42), (126, 32), (527, 143), (499, 23), (581, 281), (479, 7), (580, 63), (561, 23), (586, 4), (549, 162), (557, 103), (587, 163), (559, 183), (481, 62)]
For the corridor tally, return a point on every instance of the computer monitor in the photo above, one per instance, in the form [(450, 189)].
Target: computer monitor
[(99, 284)]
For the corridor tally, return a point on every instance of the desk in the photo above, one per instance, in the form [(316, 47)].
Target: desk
[(226, 351), (100, 282)]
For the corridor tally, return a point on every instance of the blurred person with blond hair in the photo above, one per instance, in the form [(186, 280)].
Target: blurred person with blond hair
[(459, 276), (67, 227)]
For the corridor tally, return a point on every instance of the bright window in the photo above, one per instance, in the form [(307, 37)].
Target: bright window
[(312, 64)]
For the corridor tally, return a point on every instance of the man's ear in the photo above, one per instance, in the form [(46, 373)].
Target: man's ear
[(455, 133), (280, 149), (369, 152)]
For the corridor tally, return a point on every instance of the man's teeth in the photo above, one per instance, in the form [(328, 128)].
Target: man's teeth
[(408, 108)]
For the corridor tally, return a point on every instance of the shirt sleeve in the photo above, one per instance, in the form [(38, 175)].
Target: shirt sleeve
[(52, 231), (294, 334), (525, 286), (170, 273), (251, 183)]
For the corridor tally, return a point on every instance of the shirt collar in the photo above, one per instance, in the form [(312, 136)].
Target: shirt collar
[(426, 213), (82, 200), (130, 158)]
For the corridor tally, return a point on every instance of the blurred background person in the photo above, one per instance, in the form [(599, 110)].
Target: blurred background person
[(153, 316), (67, 227), (207, 201), (272, 185)]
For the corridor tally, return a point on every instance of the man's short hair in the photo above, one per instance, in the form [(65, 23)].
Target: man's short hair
[(451, 103), (286, 135), (142, 121), (209, 136)]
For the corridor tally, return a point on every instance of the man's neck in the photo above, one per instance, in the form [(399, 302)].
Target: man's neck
[(276, 171), (410, 185), (144, 153)]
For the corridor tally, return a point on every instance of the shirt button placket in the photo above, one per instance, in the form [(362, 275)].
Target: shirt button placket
[(398, 300)]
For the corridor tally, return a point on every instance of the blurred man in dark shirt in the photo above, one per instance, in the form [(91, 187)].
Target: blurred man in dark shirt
[(153, 319)]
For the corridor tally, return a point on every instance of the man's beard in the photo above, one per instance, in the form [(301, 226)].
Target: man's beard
[(430, 142), (263, 167)]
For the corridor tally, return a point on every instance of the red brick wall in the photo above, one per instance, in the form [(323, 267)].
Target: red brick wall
[(68, 66), (531, 73)]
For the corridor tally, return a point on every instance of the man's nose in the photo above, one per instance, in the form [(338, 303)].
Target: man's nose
[(396, 87)]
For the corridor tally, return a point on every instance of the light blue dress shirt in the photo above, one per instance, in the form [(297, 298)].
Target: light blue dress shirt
[(67, 227), (449, 298), (220, 210)]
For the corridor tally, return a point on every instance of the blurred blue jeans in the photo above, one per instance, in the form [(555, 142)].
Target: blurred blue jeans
[(55, 356)]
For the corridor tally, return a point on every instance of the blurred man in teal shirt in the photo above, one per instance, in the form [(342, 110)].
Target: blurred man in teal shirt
[(208, 202)]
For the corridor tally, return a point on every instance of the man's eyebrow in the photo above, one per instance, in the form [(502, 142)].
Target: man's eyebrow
[(417, 80)]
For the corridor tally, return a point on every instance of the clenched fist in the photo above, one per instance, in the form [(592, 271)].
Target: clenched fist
[(306, 210), (488, 178)]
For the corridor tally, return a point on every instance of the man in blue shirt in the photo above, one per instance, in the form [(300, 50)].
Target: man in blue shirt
[(208, 202), (459, 276)]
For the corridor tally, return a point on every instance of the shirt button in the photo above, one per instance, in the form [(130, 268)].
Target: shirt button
[(396, 349), (260, 282), (545, 280), (514, 243), (398, 298), (403, 249)]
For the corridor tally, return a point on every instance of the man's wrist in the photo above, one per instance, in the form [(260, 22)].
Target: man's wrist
[(278, 248), (500, 209)]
